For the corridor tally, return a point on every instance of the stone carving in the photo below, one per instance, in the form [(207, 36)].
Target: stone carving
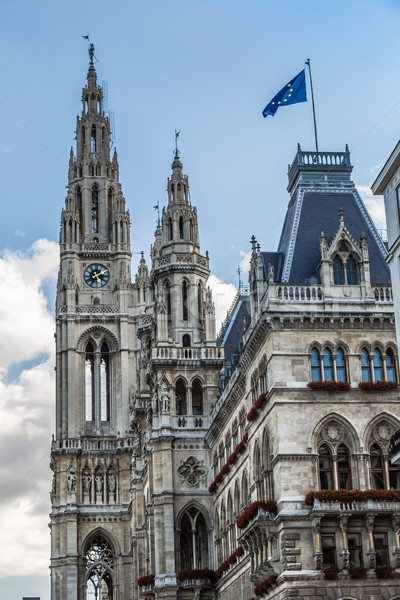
[(86, 481), (323, 246), (271, 273), (99, 483), (192, 470), (165, 401), (333, 432), (383, 431), (71, 482), (111, 481)]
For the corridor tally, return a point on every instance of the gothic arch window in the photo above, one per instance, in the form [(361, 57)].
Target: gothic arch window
[(315, 365), (328, 365), (343, 468), (351, 271), (338, 274), (231, 525), (365, 365), (193, 539), (103, 135), (181, 236), (236, 496), (95, 209), (168, 300), (93, 139), (340, 365), (378, 479), (197, 397), (171, 230), (200, 303), (78, 199), (83, 131), (97, 384), (98, 170), (267, 467), (110, 198), (245, 489), (99, 563), (257, 471), (180, 397), (185, 312), (378, 365), (390, 366), (326, 479)]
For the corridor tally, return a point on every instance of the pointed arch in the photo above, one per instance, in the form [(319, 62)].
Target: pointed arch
[(180, 396), (257, 474), (197, 397), (95, 208)]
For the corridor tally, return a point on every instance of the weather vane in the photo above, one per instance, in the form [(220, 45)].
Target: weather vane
[(157, 208), (176, 143)]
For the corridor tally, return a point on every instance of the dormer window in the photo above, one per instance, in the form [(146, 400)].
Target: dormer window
[(344, 270)]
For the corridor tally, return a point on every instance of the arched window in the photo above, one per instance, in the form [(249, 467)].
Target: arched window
[(328, 365), (83, 135), (193, 540), (315, 365), (343, 467), (185, 300), (186, 341), (197, 397), (378, 366), (245, 489), (78, 200), (99, 559), (171, 230), (168, 300), (180, 397), (95, 209), (338, 278), (93, 139), (351, 271), (365, 365), (390, 368), (200, 303), (97, 384), (340, 366), (325, 468), (180, 228), (110, 197), (377, 468)]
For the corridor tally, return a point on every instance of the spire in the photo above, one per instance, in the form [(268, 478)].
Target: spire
[(178, 185)]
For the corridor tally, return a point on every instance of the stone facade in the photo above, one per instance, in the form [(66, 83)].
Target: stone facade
[(167, 435)]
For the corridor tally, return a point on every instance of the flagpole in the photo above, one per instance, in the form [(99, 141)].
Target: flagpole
[(313, 105)]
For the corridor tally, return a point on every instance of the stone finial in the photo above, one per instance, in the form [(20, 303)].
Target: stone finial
[(323, 245), (341, 216), (253, 243)]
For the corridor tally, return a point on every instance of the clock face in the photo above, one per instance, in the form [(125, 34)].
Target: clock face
[(96, 275)]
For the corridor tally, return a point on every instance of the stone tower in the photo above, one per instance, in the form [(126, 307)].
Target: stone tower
[(95, 336), (136, 380)]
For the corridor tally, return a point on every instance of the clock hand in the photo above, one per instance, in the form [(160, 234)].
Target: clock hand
[(102, 272)]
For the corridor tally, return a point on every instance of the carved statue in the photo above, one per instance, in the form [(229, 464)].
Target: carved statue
[(111, 482), (323, 245), (71, 482), (99, 483), (154, 402), (86, 480), (165, 401), (271, 273)]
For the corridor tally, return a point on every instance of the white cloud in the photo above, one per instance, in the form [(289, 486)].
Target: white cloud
[(223, 295), (374, 204), (26, 408), (245, 262)]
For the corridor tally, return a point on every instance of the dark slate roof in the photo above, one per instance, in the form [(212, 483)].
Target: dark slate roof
[(276, 259), (233, 337), (319, 212)]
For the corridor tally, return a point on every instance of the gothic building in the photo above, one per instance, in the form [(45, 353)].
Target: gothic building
[(187, 465)]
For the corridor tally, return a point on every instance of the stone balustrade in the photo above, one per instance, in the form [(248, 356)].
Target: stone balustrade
[(175, 353), (356, 507)]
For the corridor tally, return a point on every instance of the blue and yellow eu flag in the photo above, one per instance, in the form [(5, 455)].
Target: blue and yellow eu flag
[(293, 92)]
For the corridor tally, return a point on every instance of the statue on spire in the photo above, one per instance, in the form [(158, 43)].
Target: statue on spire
[(91, 54), (176, 143)]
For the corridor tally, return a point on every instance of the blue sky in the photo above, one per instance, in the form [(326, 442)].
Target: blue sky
[(207, 68)]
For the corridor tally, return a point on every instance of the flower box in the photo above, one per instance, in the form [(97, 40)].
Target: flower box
[(146, 580), (239, 551), (265, 586), (231, 461), (384, 573), (378, 386), (329, 386), (252, 414), (359, 573), (196, 574), (251, 511), (331, 573), (347, 497)]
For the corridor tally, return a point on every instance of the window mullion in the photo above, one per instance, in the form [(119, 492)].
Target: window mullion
[(321, 367), (97, 391), (335, 471)]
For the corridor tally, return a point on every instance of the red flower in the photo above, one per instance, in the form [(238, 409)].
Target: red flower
[(239, 551), (251, 414), (145, 580), (330, 386), (347, 497), (378, 386), (232, 559), (251, 511)]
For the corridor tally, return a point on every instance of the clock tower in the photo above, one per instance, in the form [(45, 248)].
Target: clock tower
[(95, 336)]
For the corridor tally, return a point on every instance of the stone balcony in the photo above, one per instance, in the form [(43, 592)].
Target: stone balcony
[(354, 507), (197, 583), (257, 527), (82, 446), (166, 353)]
